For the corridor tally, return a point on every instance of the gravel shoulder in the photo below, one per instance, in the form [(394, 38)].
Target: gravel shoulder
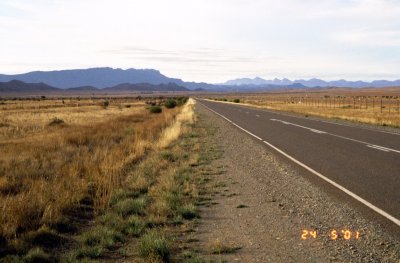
[(261, 204)]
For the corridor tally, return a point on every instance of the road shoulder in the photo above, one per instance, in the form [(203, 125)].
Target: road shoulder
[(260, 206)]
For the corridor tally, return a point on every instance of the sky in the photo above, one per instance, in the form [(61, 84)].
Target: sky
[(205, 40)]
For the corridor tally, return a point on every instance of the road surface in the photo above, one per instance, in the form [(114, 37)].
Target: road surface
[(362, 163)]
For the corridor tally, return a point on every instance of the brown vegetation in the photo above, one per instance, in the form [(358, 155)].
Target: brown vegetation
[(53, 158)]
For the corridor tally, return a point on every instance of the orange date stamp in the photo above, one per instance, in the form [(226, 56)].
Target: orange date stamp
[(333, 234)]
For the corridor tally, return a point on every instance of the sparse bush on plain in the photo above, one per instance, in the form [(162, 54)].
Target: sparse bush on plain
[(56, 121), (155, 109), (170, 104), (105, 104), (236, 100)]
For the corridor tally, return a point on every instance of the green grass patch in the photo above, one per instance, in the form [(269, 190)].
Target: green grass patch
[(36, 255), (189, 212), (155, 109), (126, 207), (153, 245), (100, 238)]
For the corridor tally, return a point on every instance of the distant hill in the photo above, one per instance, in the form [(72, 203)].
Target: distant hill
[(22, 87), (312, 83), (95, 77), (16, 86), (126, 87), (100, 78), (83, 88)]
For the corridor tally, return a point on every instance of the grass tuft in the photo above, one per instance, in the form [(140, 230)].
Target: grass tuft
[(101, 236), (134, 226), (153, 245), (126, 207), (36, 255), (219, 248), (189, 212)]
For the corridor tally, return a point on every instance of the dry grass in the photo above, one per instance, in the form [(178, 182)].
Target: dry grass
[(218, 247), (186, 116), (157, 193), (45, 171), (29, 120)]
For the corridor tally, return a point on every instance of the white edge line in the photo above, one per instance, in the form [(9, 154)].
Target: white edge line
[(358, 198), (338, 136), (378, 148), (312, 119)]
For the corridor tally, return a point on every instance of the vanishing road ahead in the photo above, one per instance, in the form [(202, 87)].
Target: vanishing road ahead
[(363, 163)]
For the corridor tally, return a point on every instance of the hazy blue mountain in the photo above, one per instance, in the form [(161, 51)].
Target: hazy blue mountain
[(311, 83), (22, 87), (83, 88), (126, 87), (16, 86), (96, 77)]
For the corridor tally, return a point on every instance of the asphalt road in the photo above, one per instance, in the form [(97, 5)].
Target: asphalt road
[(362, 163)]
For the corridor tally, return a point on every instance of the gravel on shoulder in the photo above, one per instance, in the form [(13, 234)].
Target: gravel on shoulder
[(261, 205)]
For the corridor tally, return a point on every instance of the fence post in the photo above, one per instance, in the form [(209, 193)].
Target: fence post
[(373, 104), (398, 105)]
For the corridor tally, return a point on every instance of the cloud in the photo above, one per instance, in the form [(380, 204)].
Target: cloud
[(205, 40), (389, 38)]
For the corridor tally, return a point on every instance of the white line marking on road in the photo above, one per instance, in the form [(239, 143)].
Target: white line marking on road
[(378, 148), (338, 136), (255, 136), (293, 124), (348, 192), (258, 116), (358, 198), (314, 119)]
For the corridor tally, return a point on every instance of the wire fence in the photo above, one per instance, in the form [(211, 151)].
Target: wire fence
[(383, 104)]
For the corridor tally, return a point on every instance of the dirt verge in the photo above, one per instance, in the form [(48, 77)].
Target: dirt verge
[(260, 207)]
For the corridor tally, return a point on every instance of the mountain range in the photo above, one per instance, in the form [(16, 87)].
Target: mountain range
[(120, 79), (17, 86), (312, 83)]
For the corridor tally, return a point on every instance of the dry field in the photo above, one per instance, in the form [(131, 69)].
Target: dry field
[(373, 106), (58, 155)]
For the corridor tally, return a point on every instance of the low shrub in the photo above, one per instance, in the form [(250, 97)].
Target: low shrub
[(105, 104), (188, 212), (155, 109), (170, 104), (56, 121), (236, 100)]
